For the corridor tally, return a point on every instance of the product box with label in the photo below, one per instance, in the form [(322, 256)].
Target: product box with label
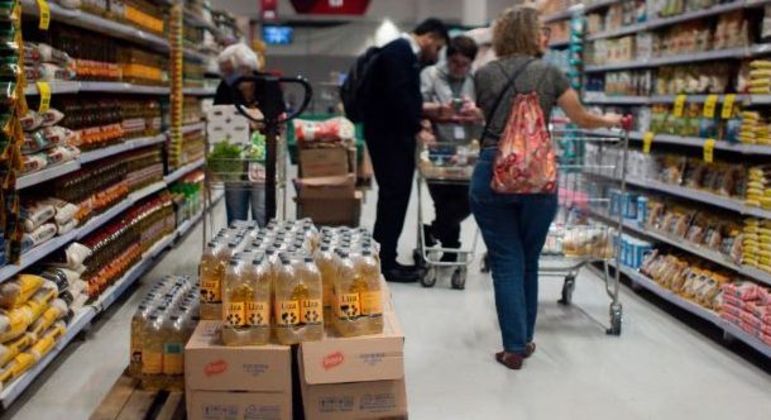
[(224, 382), (326, 187), (326, 161), (331, 211), (355, 377)]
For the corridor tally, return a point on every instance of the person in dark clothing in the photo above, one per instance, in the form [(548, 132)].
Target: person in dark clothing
[(392, 119)]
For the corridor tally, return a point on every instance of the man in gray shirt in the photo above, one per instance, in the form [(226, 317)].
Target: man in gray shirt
[(449, 102)]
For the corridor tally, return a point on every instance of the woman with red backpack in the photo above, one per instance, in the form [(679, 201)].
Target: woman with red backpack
[(513, 191)]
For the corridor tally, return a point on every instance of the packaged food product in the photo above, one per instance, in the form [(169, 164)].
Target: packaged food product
[(34, 214), (16, 292)]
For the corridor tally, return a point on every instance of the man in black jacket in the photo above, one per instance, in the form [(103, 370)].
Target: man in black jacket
[(392, 119)]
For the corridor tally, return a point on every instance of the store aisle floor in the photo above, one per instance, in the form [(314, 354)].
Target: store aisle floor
[(659, 367)]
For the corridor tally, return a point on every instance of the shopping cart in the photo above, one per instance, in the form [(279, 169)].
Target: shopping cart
[(587, 229), (444, 164)]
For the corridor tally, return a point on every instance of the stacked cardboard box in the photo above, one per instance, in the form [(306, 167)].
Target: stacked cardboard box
[(339, 378), (326, 189)]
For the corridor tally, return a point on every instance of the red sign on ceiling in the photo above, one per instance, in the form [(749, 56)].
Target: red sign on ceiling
[(269, 9), (331, 7)]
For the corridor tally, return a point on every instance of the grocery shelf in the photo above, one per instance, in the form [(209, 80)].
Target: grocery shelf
[(13, 390), (36, 254), (193, 127), (729, 329), (565, 14), (741, 52), (599, 5), (747, 149), (46, 174), (69, 86), (200, 91), (179, 173), (624, 30), (57, 87), (120, 148), (600, 98), (668, 295), (680, 243)]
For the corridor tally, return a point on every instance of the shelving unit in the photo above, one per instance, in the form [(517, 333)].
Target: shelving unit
[(747, 149)]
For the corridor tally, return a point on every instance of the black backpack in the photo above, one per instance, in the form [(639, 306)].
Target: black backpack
[(355, 89)]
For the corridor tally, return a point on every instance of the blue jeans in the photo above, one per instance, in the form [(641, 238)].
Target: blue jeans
[(514, 228), (238, 198)]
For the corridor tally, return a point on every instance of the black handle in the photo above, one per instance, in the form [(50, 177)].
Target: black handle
[(272, 110)]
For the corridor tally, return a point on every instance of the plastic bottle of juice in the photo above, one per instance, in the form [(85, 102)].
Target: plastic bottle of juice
[(237, 292), (260, 278), (152, 355), (174, 331), (371, 298), (348, 319), (288, 293), (327, 262), (310, 294)]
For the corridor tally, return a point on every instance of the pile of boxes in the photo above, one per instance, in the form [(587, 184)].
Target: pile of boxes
[(335, 378), (326, 186)]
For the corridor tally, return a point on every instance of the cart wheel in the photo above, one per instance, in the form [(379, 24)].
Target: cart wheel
[(417, 256), (615, 320), (429, 277), (458, 279), (485, 266), (567, 290)]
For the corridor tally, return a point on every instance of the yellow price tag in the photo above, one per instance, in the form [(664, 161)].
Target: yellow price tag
[(679, 105), (709, 150), (709, 106), (45, 96), (647, 142), (728, 106), (45, 14)]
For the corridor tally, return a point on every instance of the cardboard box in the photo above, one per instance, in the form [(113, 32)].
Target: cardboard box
[(355, 377), (329, 161), (222, 380), (216, 405), (331, 211), (326, 187)]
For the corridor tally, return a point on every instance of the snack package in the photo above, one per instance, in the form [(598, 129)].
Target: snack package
[(13, 348), (16, 292), (33, 215)]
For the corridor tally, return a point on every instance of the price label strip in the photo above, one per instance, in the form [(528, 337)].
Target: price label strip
[(709, 106), (45, 96), (709, 150), (679, 105), (45, 14), (647, 142), (728, 106)]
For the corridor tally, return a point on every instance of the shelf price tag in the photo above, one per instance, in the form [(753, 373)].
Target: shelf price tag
[(647, 142), (45, 96), (709, 150), (728, 106), (709, 106), (45, 14), (679, 105)]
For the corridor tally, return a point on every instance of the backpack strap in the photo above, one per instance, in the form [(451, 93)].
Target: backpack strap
[(506, 88)]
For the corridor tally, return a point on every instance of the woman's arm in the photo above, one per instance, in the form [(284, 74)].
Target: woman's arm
[(579, 115)]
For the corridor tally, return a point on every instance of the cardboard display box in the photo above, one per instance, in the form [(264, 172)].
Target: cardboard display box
[(355, 377), (341, 186), (328, 161), (224, 382), (331, 211)]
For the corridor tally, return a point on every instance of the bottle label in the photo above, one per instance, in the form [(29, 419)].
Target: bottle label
[(372, 303), (235, 314), (152, 363), (348, 306), (210, 291), (312, 312), (287, 313), (173, 361), (258, 314)]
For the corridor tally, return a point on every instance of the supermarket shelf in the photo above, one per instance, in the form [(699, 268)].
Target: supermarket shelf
[(179, 173), (57, 87), (683, 58), (680, 243), (36, 254), (47, 174), (193, 127), (13, 390), (747, 149), (66, 86), (120, 148), (624, 30), (729, 329), (565, 14), (697, 14), (600, 98), (599, 5), (668, 295), (200, 91)]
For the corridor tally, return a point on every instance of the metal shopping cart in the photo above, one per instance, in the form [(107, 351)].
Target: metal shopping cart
[(444, 164), (588, 226)]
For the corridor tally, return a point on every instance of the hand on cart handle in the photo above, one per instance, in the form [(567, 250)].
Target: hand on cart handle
[(627, 122), (273, 110)]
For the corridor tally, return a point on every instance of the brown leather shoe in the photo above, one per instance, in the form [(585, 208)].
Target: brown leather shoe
[(529, 349), (510, 360)]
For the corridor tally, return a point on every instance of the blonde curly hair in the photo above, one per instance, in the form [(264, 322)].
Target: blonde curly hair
[(517, 31)]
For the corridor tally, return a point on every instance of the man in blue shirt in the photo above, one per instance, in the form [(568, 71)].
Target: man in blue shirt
[(392, 119)]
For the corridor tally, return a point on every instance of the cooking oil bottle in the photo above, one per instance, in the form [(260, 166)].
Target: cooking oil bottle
[(347, 288), (309, 293), (367, 268), (288, 292), (152, 355), (238, 291), (210, 272), (173, 332), (326, 261), (260, 278), (138, 322)]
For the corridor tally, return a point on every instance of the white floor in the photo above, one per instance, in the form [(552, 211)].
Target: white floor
[(659, 368)]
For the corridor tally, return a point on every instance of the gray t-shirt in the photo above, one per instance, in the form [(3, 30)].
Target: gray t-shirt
[(437, 85), (490, 80)]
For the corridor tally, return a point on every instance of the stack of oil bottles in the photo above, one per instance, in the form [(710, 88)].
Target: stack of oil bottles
[(288, 281), (160, 328)]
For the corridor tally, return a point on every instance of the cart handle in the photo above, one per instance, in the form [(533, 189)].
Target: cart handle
[(271, 110)]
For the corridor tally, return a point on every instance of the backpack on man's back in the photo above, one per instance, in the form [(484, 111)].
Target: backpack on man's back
[(355, 89)]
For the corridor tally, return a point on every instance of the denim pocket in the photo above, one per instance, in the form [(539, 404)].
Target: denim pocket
[(479, 190)]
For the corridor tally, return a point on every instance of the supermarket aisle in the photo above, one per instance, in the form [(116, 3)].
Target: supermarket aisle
[(659, 367)]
